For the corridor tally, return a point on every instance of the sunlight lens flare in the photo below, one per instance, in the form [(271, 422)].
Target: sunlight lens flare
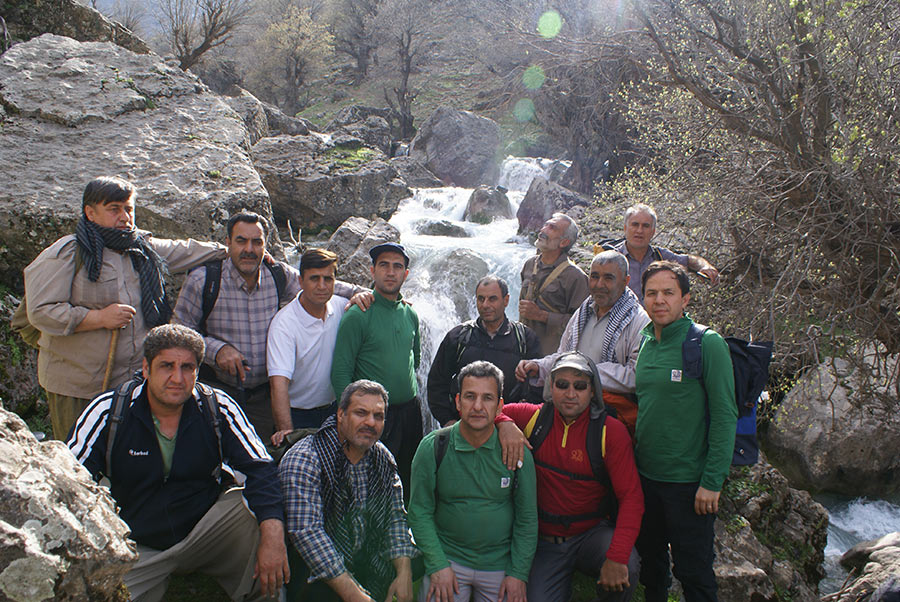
[(534, 77), (549, 24), (524, 110)]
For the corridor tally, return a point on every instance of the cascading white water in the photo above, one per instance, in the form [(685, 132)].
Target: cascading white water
[(442, 277)]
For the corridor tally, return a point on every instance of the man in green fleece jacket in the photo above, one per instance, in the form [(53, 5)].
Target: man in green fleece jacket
[(474, 520), (684, 441), (382, 344)]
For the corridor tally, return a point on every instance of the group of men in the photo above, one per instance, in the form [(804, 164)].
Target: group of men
[(285, 349)]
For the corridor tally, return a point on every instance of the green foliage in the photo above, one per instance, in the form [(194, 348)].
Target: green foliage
[(350, 158)]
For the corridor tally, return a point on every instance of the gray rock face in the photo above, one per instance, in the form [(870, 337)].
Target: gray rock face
[(369, 124), (78, 110), (486, 204), (252, 112), (414, 173), (543, 199), (878, 563), (279, 123), (832, 433), (440, 228), (19, 388), (60, 534), (27, 19), (459, 266), (318, 182), (770, 538), (458, 146), (352, 241)]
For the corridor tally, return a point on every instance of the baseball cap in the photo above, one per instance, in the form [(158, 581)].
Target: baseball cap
[(384, 247)]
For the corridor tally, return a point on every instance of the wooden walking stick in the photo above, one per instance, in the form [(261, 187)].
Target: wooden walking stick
[(113, 342)]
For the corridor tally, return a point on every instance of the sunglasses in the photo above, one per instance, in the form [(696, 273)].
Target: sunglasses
[(579, 385)]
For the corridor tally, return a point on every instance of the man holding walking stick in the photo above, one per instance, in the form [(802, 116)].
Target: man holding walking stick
[(107, 278)]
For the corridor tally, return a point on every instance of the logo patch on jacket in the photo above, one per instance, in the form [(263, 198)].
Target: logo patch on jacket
[(135, 452), (676, 376)]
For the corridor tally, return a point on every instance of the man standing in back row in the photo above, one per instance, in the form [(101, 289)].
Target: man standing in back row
[(552, 286), (382, 345)]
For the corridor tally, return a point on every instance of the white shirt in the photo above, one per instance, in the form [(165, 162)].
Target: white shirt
[(300, 348)]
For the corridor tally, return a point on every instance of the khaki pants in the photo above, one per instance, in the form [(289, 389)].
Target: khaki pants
[(222, 545), (64, 411)]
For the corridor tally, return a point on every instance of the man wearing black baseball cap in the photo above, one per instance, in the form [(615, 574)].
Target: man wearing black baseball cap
[(382, 344)]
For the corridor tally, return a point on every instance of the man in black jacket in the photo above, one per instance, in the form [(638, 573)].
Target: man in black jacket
[(166, 472), (492, 337)]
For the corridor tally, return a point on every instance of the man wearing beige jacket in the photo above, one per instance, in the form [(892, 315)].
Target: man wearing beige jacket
[(107, 276)]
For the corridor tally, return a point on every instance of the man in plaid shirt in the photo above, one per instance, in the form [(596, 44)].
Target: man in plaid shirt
[(235, 329), (344, 507)]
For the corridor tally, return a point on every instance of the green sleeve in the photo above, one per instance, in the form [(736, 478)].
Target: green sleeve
[(346, 348), (417, 343), (718, 380), (422, 507), (525, 523)]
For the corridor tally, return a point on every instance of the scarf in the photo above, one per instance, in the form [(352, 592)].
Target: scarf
[(343, 511), (620, 315), (151, 268)]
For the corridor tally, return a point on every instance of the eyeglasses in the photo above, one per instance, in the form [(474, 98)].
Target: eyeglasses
[(579, 385)]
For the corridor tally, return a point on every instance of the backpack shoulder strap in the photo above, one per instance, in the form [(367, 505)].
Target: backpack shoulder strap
[(519, 331), (655, 253), (466, 336), (121, 401), (210, 292), (280, 278), (692, 351), (539, 426), (210, 403)]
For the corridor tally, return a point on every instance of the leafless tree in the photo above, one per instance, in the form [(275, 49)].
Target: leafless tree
[(130, 13), (193, 27), (353, 28)]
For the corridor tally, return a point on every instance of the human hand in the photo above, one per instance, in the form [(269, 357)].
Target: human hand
[(513, 588), (272, 568), (706, 501), (711, 274), (278, 436), (232, 361), (528, 310), (361, 300), (443, 585), (116, 315), (613, 576), (526, 368), (512, 442)]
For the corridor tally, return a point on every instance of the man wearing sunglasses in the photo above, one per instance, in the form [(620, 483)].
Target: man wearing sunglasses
[(588, 491)]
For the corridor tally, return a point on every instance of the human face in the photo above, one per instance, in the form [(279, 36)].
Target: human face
[(246, 247), (491, 304), (317, 285), (571, 402), (606, 283), (170, 378), (663, 299), (389, 272), (478, 403), (118, 214), (551, 236), (361, 424), (639, 230)]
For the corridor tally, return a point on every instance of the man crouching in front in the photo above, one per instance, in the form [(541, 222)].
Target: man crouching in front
[(162, 442)]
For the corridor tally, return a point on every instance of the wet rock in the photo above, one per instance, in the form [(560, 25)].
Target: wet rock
[(352, 241), (28, 19), (316, 181), (440, 228), (486, 204), (78, 110), (60, 534), (414, 173), (457, 272), (837, 429), (543, 199), (279, 123), (459, 147), (252, 112), (877, 563)]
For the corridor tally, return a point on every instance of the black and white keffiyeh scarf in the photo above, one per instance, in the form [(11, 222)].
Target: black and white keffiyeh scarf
[(620, 315), (151, 268)]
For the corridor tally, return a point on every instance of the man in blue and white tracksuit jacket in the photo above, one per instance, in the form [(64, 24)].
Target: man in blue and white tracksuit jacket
[(169, 473)]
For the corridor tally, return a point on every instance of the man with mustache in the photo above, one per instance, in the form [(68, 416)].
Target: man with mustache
[(234, 328), (344, 507), (106, 277), (552, 286)]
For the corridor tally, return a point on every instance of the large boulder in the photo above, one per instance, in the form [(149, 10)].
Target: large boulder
[(838, 428), (352, 242), (414, 173), (770, 538), (369, 124), (279, 123), (19, 388), (319, 182), (252, 112), (877, 564), (459, 147), (28, 19), (78, 110), (486, 204), (440, 227), (543, 199), (456, 273), (60, 536)]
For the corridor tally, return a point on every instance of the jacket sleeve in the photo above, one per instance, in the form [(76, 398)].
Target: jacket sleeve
[(626, 485), (48, 288), (618, 377), (577, 292), (189, 310), (443, 367), (422, 507), (346, 348), (242, 449), (182, 255), (417, 343), (718, 380), (88, 437), (525, 521), (532, 345)]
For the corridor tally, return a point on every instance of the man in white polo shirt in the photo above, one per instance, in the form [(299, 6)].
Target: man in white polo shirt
[(300, 346)]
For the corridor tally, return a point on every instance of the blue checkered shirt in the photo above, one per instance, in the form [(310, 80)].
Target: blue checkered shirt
[(300, 486)]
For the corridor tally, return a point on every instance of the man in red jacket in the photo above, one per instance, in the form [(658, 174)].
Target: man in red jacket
[(588, 491)]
